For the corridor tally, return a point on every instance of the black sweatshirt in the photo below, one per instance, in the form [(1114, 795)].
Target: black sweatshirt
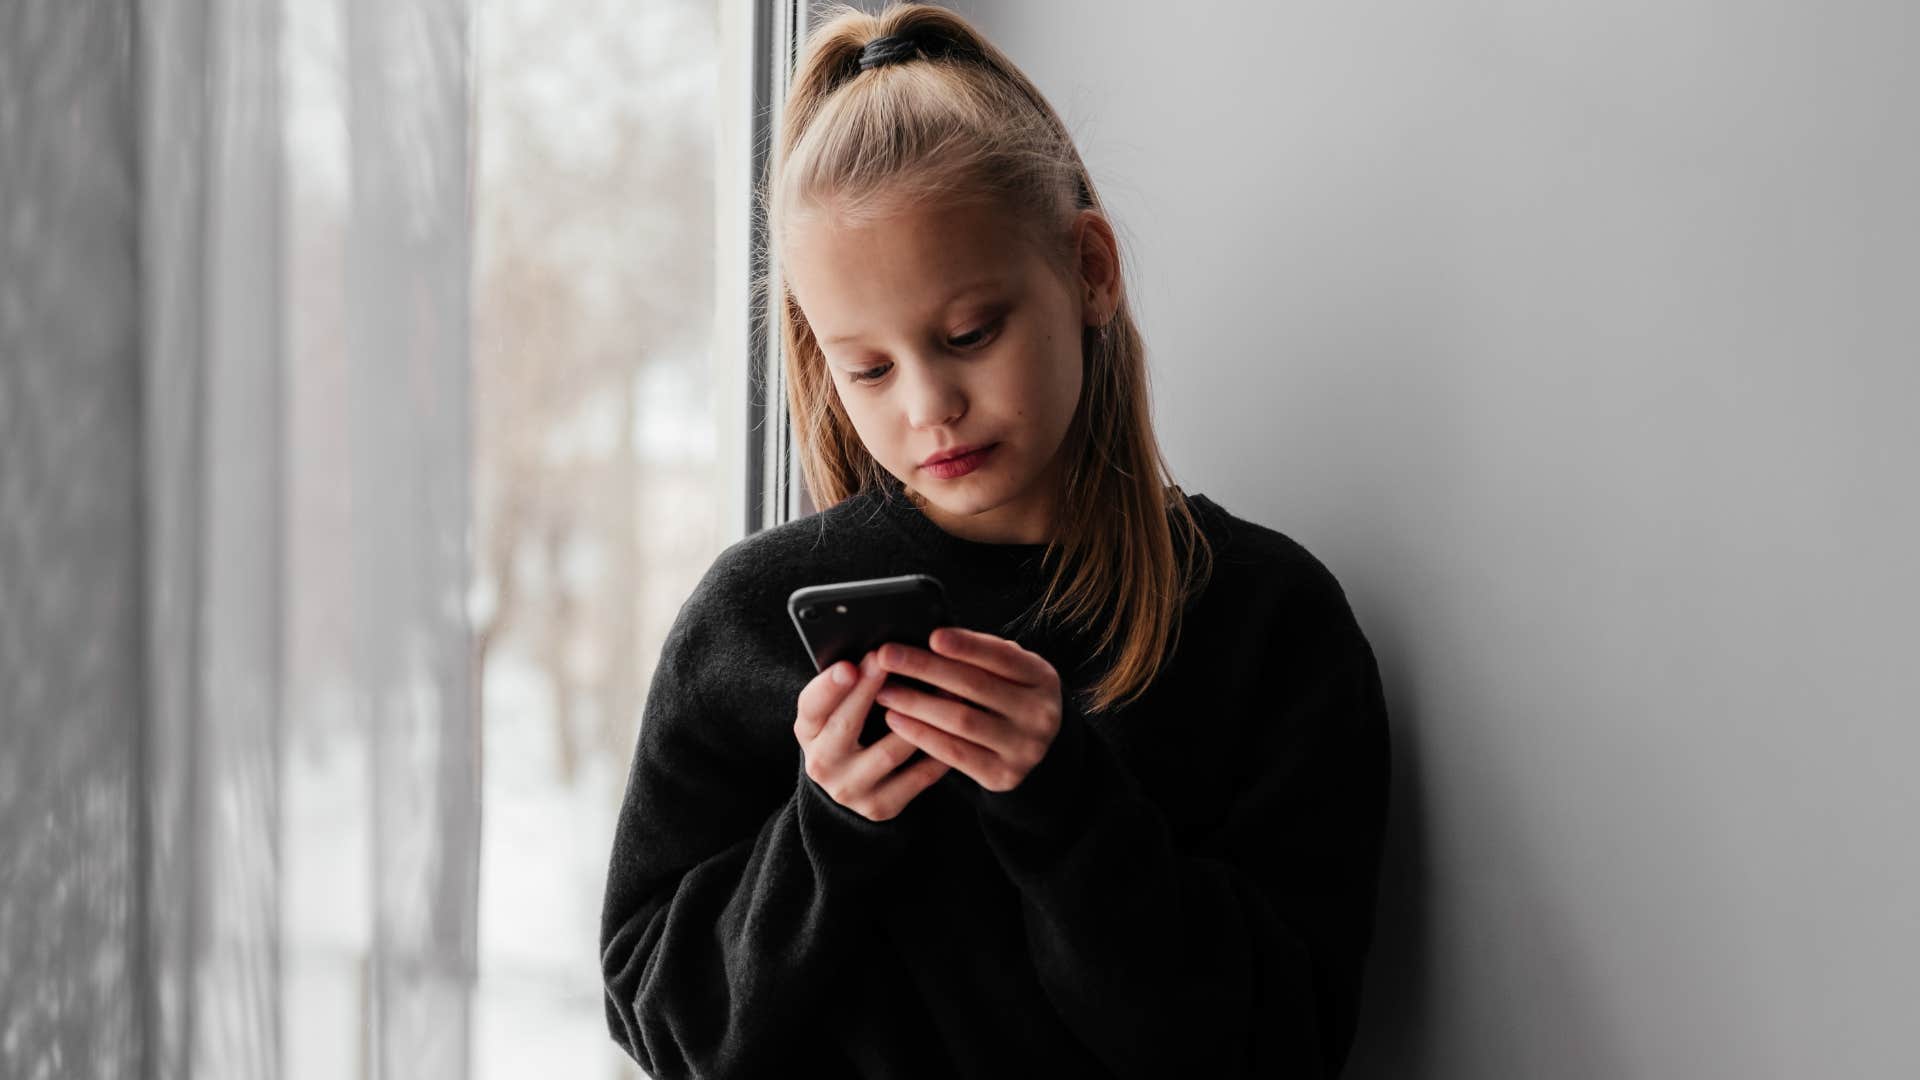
[(1183, 887)]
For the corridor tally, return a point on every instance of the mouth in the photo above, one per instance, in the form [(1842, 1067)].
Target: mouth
[(955, 453), (958, 462)]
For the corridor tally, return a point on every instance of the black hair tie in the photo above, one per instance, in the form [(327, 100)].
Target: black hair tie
[(890, 49)]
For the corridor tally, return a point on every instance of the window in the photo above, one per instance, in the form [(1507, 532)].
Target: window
[(624, 430), (614, 446)]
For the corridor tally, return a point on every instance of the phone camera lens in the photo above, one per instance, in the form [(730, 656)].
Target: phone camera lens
[(809, 613)]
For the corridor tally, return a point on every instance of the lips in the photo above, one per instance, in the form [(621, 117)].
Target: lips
[(955, 467), (949, 455)]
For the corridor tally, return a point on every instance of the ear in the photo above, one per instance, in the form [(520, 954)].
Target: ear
[(1098, 261)]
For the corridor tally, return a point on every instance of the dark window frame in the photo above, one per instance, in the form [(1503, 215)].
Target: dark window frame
[(774, 490)]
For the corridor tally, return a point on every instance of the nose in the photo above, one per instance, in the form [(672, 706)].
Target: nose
[(933, 396)]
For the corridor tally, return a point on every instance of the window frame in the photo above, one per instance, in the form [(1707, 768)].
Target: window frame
[(774, 490)]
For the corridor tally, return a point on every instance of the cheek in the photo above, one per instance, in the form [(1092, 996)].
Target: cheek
[(850, 405), (870, 419)]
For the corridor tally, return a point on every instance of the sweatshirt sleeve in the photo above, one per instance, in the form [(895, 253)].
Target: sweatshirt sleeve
[(1242, 956), (733, 886)]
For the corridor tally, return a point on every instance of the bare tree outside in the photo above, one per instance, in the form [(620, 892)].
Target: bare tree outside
[(593, 438)]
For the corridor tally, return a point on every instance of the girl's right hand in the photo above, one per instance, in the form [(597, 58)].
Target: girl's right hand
[(862, 779)]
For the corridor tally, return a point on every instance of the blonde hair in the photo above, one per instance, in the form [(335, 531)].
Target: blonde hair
[(958, 122)]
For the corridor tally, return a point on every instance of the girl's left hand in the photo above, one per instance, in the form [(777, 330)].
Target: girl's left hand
[(1005, 709)]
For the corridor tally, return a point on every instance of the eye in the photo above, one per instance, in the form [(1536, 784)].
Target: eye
[(970, 340), (981, 333)]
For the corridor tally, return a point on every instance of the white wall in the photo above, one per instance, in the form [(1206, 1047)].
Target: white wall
[(1580, 341)]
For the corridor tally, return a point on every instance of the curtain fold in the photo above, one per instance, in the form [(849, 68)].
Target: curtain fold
[(239, 781), (308, 483), (70, 607), (407, 354), (210, 374)]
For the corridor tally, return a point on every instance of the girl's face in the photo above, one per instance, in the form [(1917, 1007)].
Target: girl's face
[(942, 329)]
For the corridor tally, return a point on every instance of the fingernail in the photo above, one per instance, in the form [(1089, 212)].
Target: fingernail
[(841, 675), (871, 664)]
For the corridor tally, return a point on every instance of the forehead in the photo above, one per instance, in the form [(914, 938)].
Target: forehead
[(849, 277)]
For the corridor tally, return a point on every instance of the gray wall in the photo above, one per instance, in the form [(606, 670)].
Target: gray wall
[(1579, 340)]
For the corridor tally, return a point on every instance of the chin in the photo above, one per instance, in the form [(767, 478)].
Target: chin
[(958, 499)]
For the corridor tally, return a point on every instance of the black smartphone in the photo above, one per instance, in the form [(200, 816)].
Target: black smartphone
[(847, 619)]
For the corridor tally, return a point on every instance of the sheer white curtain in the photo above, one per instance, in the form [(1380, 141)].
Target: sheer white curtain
[(314, 781), (70, 680), (239, 777)]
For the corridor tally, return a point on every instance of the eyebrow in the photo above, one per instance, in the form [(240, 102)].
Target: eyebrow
[(965, 290)]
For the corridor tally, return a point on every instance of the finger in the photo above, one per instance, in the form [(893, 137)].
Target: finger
[(952, 715), (867, 782), (985, 767), (871, 768), (820, 695), (843, 725), (962, 678), (1004, 657), (904, 786)]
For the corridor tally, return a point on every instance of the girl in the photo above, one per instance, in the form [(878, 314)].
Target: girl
[(1135, 828)]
